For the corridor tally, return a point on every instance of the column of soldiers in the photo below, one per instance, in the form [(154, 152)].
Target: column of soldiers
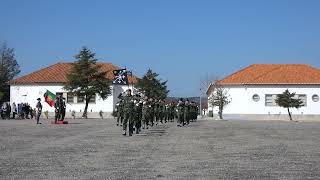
[(139, 112)]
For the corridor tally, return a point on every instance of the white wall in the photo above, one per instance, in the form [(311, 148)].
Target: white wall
[(242, 103), (30, 94)]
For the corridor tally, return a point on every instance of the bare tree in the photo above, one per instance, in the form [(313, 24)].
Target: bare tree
[(219, 98), (205, 83)]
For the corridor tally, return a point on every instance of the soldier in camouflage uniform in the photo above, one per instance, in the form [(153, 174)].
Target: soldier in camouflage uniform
[(166, 113), (195, 111), (58, 105), (128, 109), (119, 107), (138, 114), (192, 111), (180, 112), (145, 118), (150, 111), (187, 112), (157, 111), (173, 111), (162, 111)]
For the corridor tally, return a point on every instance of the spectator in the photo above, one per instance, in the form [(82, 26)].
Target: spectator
[(14, 110)]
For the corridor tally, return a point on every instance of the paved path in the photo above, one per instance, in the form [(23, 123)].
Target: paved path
[(95, 149)]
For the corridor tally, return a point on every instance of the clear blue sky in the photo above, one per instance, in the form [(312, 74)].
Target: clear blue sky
[(179, 39)]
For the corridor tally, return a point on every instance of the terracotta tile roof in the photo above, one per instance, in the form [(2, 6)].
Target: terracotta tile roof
[(274, 74), (57, 73)]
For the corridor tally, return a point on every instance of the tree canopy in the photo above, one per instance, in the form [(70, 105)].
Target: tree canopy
[(87, 79), (152, 86), (219, 98), (288, 100), (9, 68)]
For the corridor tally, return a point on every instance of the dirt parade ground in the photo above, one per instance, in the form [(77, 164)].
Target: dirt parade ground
[(206, 149)]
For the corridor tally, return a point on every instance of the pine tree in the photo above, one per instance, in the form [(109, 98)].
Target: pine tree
[(287, 100), (87, 79), (9, 68), (152, 86)]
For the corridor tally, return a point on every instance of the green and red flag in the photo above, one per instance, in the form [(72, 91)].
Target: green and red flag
[(49, 98)]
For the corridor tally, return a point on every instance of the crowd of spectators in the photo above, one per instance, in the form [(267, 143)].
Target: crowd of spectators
[(17, 111)]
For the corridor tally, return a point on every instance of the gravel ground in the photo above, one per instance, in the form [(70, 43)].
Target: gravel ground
[(207, 149)]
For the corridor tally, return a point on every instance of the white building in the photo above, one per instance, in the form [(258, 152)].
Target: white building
[(28, 88), (253, 91)]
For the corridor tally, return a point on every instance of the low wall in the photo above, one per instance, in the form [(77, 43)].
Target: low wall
[(268, 117), (78, 115)]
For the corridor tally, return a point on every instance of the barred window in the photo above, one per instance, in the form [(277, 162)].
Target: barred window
[(70, 98), (80, 99), (93, 99), (303, 98), (270, 100)]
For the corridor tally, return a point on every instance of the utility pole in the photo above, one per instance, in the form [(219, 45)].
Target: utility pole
[(200, 108)]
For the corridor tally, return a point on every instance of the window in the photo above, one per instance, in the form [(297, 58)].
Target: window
[(93, 99), (315, 98), (70, 98), (303, 98), (80, 99), (270, 100), (255, 97)]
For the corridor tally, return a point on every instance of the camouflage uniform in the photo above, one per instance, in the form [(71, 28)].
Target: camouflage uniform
[(187, 112), (137, 115), (128, 109), (180, 113), (145, 119), (157, 111), (58, 105), (150, 111), (161, 111), (172, 112), (166, 112), (119, 107)]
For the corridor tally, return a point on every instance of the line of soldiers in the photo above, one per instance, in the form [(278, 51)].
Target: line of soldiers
[(141, 112)]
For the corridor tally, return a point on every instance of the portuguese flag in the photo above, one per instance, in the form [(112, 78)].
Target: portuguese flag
[(49, 98)]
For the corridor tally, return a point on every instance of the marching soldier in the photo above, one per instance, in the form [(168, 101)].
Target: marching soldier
[(180, 112), (150, 111), (138, 114), (167, 112), (145, 118), (157, 111), (119, 108), (128, 109), (161, 111), (187, 112)]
